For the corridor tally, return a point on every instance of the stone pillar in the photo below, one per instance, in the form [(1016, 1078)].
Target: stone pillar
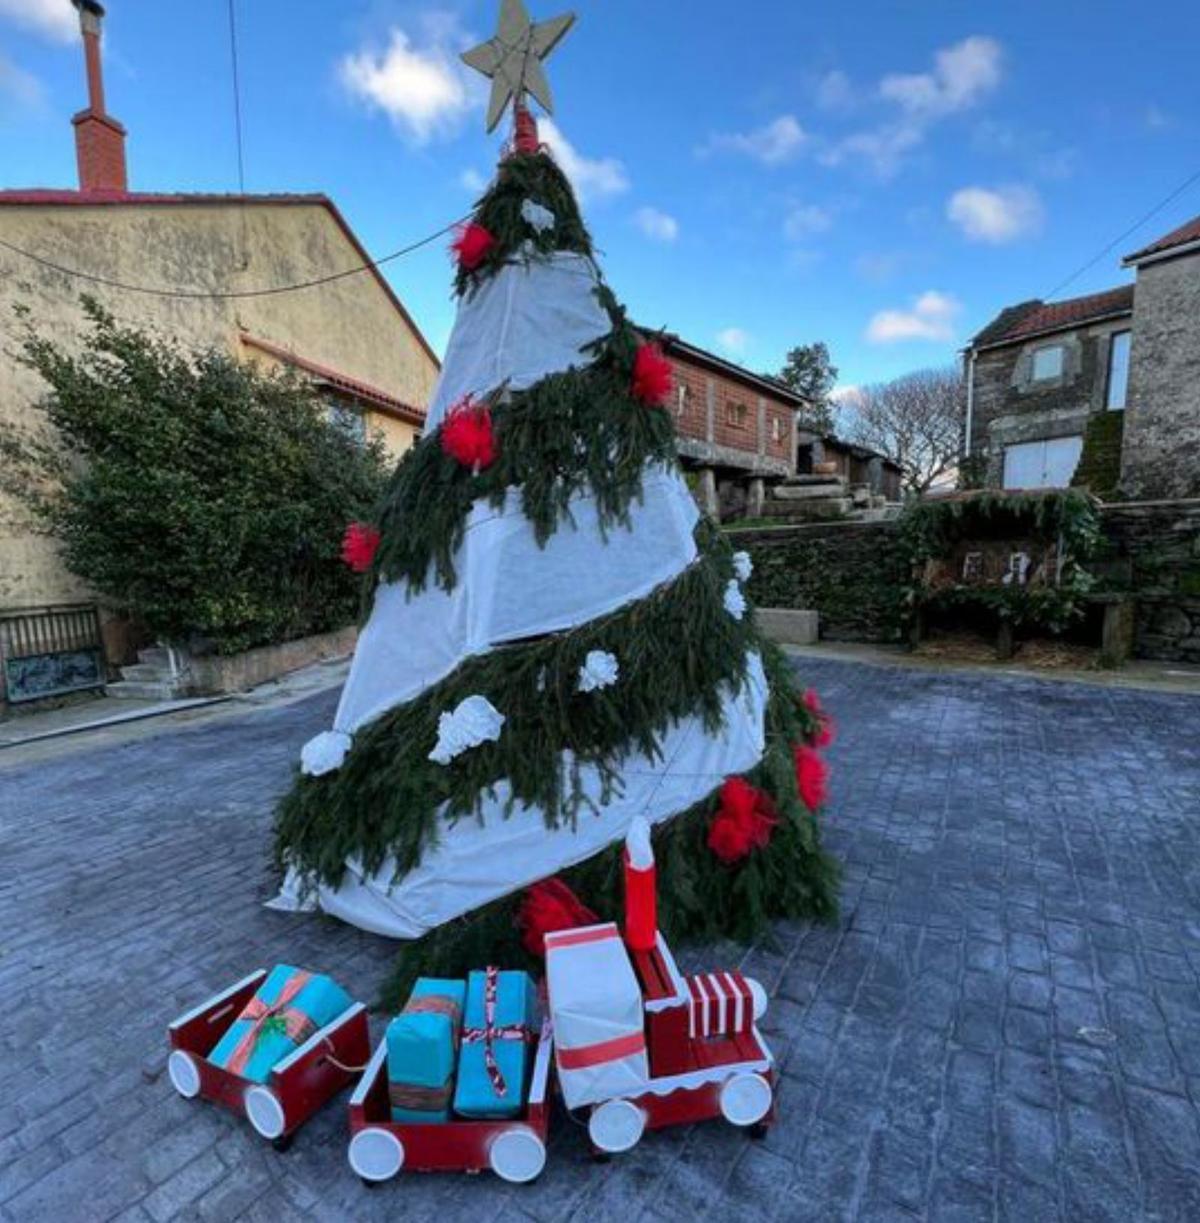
[(707, 493), (754, 508)]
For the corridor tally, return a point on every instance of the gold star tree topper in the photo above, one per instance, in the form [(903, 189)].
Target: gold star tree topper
[(512, 59)]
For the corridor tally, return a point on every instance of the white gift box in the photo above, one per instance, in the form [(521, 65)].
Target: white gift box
[(596, 1008)]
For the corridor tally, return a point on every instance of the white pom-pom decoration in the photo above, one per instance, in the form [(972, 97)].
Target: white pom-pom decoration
[(474, 721), (735, 601), (324, 753), (537, 217), (743, 566), (600, 668)]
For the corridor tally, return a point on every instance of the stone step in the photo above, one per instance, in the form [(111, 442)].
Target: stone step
[(809, 492), (807, 511), (147, 672), (155, 656), (140, 690)]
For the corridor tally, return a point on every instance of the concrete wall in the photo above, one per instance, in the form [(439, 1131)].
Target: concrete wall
[(350, 324), (1161, 449), (1009, 407)]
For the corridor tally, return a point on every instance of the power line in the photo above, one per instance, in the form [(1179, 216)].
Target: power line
[(201, 294), (1058, 288), (237, 100)]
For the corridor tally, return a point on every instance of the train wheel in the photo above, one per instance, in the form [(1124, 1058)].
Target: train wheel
[(264, 1112), (183, 1073), (517, 1155), (745, 1099), (616, 1126), (375, 1154)]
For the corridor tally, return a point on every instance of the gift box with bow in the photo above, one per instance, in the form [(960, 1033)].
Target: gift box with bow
[(285, 1011), (498, 1029)]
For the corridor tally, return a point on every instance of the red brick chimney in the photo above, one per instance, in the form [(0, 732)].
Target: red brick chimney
[(99, 138)]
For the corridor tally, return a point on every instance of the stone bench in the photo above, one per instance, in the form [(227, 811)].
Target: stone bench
[(789, 625)]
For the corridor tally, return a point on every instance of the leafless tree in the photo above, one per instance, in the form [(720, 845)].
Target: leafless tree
[(916, 421)]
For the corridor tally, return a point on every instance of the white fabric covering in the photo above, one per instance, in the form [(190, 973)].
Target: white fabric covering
[(529, 320), (475, 720), (478, 861), (324, 752), (509, 588)]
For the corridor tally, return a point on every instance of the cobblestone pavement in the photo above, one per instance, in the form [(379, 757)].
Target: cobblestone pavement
[(1005, 1024)]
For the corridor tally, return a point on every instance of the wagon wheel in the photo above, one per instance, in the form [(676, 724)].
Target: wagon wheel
[(265, 1112), (616, 1126), (183, 1073), (517, 1155), (745, 1099), (375, 1154)]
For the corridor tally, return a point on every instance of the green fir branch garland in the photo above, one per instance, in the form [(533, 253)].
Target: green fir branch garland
[(677, 649), (521, 177)]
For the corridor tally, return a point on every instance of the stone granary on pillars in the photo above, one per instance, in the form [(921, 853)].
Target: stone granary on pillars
[(736, 430), (353, 336), (1101, 390)]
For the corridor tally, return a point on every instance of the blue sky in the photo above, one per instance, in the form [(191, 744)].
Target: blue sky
[(880, 176)]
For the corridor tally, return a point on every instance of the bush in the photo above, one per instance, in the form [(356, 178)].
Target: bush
[(206, 497)]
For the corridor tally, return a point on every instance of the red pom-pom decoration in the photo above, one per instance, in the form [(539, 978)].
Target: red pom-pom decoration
[(359, 545), (549, 906), (472, 245), (743, 821), (467, 434), (812, 776), (652, 376)]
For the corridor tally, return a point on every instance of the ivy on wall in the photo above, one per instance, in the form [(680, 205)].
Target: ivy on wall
[(1099, 466)]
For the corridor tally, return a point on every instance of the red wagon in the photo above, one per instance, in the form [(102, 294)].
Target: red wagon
[(298, 1086), (514, 1149)]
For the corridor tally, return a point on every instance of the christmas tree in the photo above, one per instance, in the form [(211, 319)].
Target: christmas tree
[(555, 640)]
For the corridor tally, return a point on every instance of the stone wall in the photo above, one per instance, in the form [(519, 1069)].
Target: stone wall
[(1156, 554), (850, 572), (1010, 407), (1161, 451)]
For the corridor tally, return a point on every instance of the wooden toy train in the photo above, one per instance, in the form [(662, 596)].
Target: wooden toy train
[(633, 1044)]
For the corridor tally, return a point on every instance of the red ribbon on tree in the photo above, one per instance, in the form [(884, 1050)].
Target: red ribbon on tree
[(824, 734), (549, 906), (812, 776), (652, 376), (467, 434), (472, 245), (359, 545), (490, 1032), (743, 821)]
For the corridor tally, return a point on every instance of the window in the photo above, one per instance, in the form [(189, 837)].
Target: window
[(680, 398), (349, 419), (735, 415), (1047, 362), (776, 429), (1049, 463), (1118, 369)]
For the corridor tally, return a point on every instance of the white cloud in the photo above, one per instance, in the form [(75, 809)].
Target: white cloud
[(834, 91), (471, 180), (660, 226), (773, 144), (998, 215), (21, 88), (423, 89), (880, 266), (961, 76), (592, 178), (847, 396), (805, 220), (733, 340), (55, 19), (932, 317)]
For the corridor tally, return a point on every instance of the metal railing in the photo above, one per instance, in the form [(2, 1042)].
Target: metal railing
[(50, 650)]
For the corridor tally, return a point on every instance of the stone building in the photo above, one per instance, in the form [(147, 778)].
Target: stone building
[(1102, 389), (352, 336), (736, 429)]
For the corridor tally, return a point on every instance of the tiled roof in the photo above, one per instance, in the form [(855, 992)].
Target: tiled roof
[(1036, 317), (41, 196), (1189, 231), (354, 386)]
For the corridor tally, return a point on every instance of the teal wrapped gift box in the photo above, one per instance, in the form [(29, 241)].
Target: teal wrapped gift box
[(285, 1011), (497, 1031), (422, 1042)]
